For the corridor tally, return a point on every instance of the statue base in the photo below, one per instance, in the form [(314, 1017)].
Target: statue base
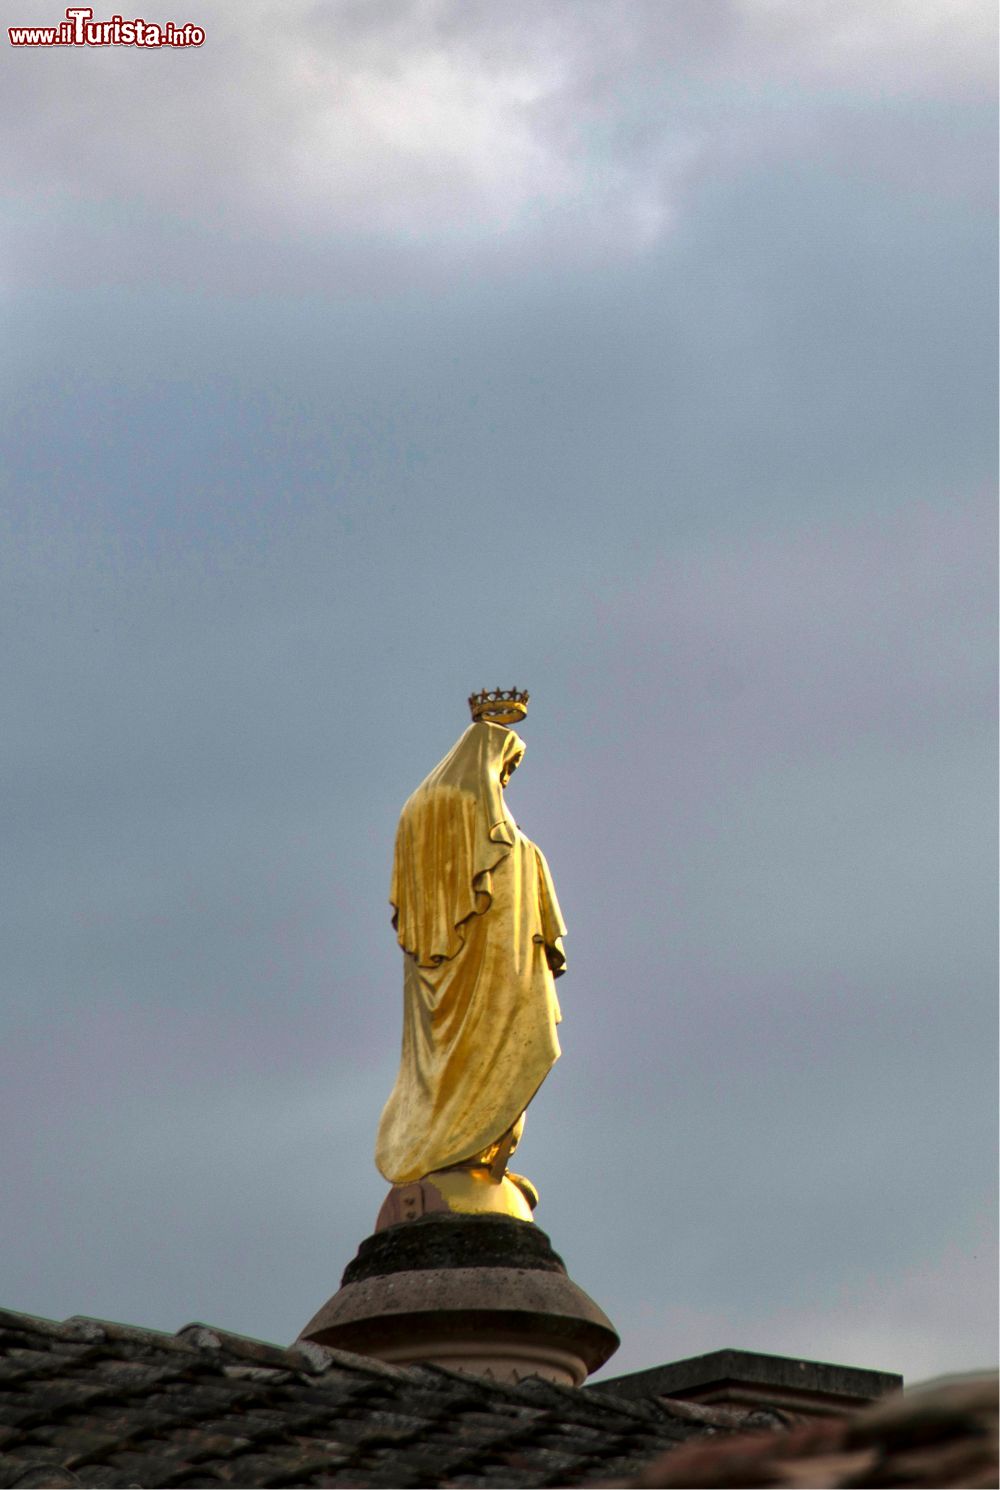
[(483, 1294)]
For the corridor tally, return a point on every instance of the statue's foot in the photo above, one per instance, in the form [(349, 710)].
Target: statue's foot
[(472, 1191), (525, 1186)]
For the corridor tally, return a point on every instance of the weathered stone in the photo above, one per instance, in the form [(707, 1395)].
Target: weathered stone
[(453, 1241), (484, 1295), (744, 1378)]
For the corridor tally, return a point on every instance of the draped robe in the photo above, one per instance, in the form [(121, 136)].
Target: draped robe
[(477, 918)]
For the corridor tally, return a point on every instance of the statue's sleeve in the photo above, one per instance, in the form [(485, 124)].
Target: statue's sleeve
[(550, 916)]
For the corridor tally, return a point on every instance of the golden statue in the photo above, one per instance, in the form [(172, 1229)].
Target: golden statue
[(476, 915)]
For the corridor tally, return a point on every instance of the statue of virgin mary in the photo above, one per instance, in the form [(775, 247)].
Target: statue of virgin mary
[(476, 915)]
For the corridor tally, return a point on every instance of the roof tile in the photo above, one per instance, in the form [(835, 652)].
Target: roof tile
[(120, 1406)]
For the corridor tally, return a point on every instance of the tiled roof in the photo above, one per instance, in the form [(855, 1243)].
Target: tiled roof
[(87, 1402)]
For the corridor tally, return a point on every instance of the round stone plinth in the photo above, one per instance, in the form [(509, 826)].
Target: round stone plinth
[(482, 1294)]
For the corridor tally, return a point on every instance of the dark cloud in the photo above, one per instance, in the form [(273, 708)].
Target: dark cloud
[(637, 354)]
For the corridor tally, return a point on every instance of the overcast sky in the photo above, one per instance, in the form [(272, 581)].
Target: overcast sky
[(637, 352)]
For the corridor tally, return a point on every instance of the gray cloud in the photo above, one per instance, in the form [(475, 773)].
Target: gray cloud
[(298, 142), (640, 355)]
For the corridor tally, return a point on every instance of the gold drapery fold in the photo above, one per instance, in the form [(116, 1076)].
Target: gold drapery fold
[(452, 833), (477, 917)]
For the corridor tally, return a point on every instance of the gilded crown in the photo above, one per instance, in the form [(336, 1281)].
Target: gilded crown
[(499, 705)]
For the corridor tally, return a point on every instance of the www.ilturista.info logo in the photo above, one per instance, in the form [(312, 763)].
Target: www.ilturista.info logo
[(79, 29)]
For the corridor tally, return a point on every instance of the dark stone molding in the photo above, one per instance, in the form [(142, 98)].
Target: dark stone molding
[(750, 1379), (453, 1241)]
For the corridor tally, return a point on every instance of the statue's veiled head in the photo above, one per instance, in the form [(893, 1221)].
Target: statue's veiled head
[(479, 764)]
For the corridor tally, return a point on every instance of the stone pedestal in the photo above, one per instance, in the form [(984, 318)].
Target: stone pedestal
[(484, 1294)]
